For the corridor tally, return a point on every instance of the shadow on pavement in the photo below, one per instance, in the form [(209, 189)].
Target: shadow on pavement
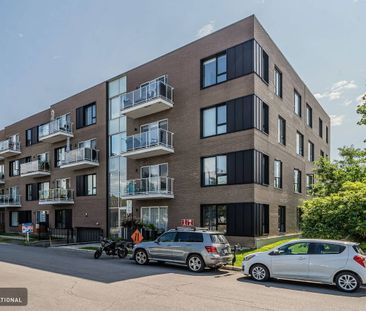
[(82, 264), (304, 287)]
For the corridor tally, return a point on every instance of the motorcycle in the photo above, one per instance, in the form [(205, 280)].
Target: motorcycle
[(111, 248)]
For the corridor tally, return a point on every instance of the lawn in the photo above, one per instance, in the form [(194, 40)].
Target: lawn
[(89, 248), (241, 255)]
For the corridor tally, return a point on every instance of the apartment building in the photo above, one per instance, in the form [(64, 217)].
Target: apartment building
[(220, 133)]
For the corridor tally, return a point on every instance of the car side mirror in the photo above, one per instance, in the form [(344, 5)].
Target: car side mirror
[(275, 252)]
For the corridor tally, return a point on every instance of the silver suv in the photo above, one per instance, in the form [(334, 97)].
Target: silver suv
[(197, 248)]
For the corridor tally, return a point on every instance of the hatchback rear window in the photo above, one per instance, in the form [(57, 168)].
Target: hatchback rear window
[(358, 249), (325, 248), (218, 239)]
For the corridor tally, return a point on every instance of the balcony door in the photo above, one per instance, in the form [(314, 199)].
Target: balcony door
[(155, 177), (155, 136), (62, 183), (13, 193)]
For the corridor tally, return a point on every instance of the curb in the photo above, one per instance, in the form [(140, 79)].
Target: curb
[(231, 268)]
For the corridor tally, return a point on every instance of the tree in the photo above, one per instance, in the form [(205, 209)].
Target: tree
[(361, 109)]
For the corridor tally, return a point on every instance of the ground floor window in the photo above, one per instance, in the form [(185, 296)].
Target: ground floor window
[(156, 215), (63, 218), (42, 217), (18, 218), (214, 217), (282, 219)]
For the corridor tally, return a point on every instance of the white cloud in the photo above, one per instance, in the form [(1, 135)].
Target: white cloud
[(337, 90), (206, 29), (336, 120), (348, 102)]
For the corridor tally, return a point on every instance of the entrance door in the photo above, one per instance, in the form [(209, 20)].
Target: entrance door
[(63, 219)]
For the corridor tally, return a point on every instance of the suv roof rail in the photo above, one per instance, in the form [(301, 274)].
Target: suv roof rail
[(191, 228)]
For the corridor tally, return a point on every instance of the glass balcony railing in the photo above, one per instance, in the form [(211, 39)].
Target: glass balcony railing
[(9, 145), (145, 187), (154, 137), (146, 93), (56, 196), (80, 155), (9, 200), (58, 126), (34, 167)]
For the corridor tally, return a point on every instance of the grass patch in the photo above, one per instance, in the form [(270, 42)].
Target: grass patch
[(89, 248), (240, 255)]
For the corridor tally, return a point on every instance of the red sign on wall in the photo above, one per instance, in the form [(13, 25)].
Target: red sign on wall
[(187, 222)]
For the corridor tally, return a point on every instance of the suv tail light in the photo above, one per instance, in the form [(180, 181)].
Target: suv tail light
[(360, 260), (211, 249)]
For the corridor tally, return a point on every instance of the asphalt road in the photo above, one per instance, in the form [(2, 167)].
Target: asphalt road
[(64, 279)]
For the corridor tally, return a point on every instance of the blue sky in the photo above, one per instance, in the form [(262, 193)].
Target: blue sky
[(50, 50)]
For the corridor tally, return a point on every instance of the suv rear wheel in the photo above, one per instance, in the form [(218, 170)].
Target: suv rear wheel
[(347, 282), (195, 263), (141, 257), (259, 273)]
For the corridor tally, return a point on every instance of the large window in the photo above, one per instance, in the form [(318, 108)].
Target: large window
[(60, 154), (214, 70), (282, 219), (86, 115), (277, 168), (297, 103), (281, 130), (326, 134), (309, 183), (309, 116), (215, 171), (299, 144), (31, 192), (214, 121), (31, 136), (63, 219), (20, 217), (156, 215), (14, 168), (297, 181), (311, 154), (214, 217), (260, 62), (278, 82), (321, 128), (86, 185)]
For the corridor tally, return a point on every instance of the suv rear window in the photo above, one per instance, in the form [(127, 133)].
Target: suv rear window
[(189, 237), (218, 239), (358, 249)]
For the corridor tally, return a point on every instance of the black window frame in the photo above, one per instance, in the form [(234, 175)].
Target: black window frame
[(298, 183), (311, 151), (218, 223), (56, 155), (216, 57), (309, 186), (216, 107), (309, 112), (277, 180), (277, 78), (327, 134), (300, 148), (300, 105), (82, 185), (281, 139), (282, 219), (23, 217), (32, 192), (320, 128), (81, 114), (12, 170), (216, 174)]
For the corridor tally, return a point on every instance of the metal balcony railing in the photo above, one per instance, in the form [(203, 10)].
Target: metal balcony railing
[(154, 137), (9, 145), (153, 186), (146, 93), (55, 126), (9, 200), (80, 155), (56, 196), (34, 167)]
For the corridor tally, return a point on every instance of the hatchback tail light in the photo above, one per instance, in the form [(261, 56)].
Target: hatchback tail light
[(360, 260), (211, 249)]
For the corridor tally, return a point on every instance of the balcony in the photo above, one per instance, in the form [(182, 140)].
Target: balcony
[(148, 188), (9, 148), (55, 131), (35, 168), (153, 143), (7, 200), (154, 97), (81, 158), (56, 197)]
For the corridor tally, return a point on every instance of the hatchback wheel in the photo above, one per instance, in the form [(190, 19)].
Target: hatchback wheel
[(195, 263), (347, 282), (141, 257), (259, 273)]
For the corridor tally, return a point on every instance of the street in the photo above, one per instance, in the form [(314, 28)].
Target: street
[(66, 279)]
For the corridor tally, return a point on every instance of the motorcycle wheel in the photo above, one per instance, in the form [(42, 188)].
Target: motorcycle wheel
[(97, 253), (122, 252)]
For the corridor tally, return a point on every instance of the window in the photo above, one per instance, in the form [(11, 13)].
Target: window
[(297, 103), (322, 153), (214, 217), (326, 134), (116, 145), (321, 128), (60, 154), (277, 82), (311, 151), (215, 171), (156, 215), (277, 167), (14, 168), (297, 181), (309, 116), (260, 62), (325, 249), (282, 219), (20, 217), (265, 118), (91, 143), (43, 190), (86, 185), (214, 121), (31, 136), (281, 131), (309, 183), (300, 248), (86, 115), (299, 144), (63, 219), (265, 170), (167, 237), (2, 171), (193, 237), (31, 192), (214, 70)]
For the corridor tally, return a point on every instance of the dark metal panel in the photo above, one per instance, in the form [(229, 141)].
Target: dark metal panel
[(239, 114), (231, 168), (231, 63), (231, 116), (248, 56), (239, 164)]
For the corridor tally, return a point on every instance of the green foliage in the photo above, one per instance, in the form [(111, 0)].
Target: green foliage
[(361, 109), (340, 215)]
